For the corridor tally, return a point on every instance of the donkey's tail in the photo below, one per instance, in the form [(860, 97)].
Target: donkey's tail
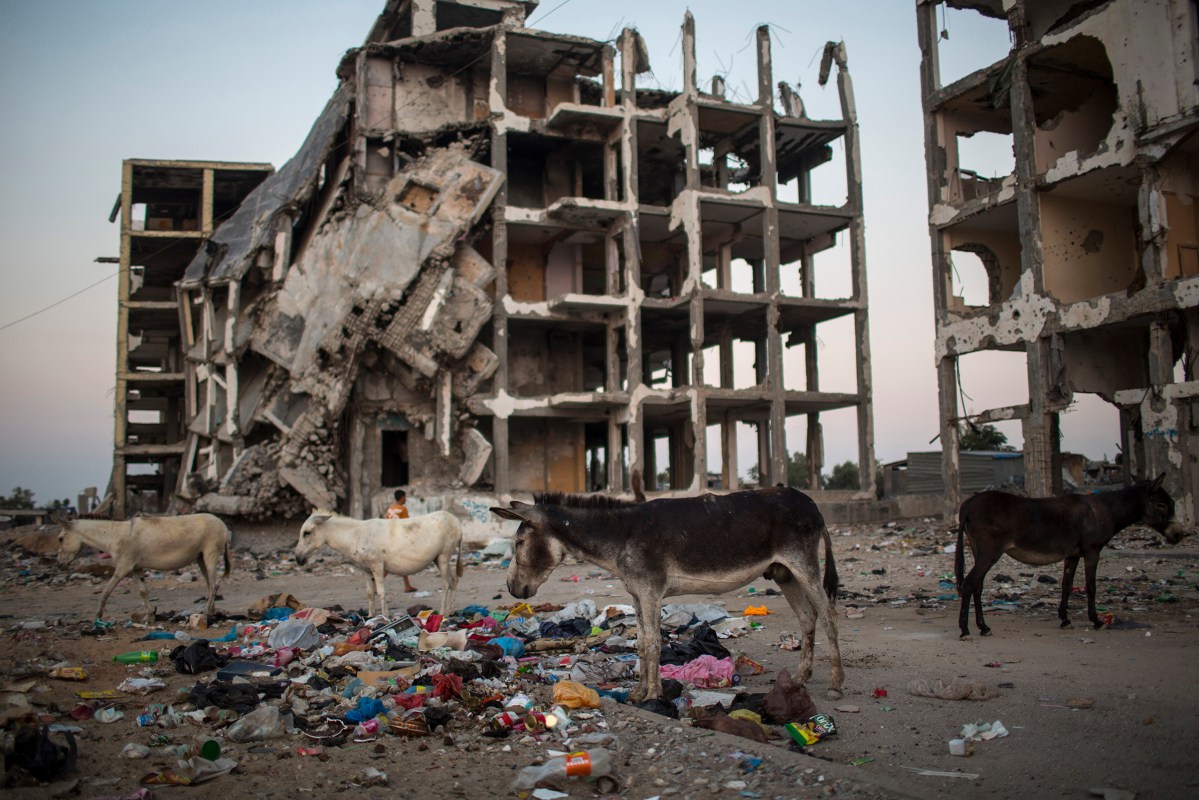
[(959, 556), (228, 557), (638, 486), (831, 581), (458, 550)]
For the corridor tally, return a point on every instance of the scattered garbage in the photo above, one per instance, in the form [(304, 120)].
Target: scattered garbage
[(34, 752), (957, 689), (595, 764), (983, 731), (787, 701), (961, 747)]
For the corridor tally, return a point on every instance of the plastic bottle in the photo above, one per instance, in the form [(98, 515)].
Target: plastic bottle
[(595, 763), (137, 657)]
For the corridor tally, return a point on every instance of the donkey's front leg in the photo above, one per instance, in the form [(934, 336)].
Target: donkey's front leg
[(649, 647), (1067, 586), (1089, 564), (379, 574)]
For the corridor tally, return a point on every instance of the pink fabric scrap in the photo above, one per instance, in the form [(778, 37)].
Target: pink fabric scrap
[(706, 672)]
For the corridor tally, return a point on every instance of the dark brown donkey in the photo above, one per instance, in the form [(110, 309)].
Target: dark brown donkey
[(1047, 530), (692, 545)]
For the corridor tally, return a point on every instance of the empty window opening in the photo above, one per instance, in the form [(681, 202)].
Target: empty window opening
[(715, 450), (818, 179), (749, 364), (835, 351), (992, 379), (751, 465), (659, 371), (660, 165), (970, 280), (798, 465), (142, 417), (984, 160), (968, 40), (595, 456), (839, 434), (712, 366), (744, 276), (454, 15), (542, 171), (1090, 430), (996, 243), (661, 477), (393, 458), (826, 275), (663, 269)]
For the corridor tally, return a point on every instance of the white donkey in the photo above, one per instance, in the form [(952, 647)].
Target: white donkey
[(383, 547), (161, 543)]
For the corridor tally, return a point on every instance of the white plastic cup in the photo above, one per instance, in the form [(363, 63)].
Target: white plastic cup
[(959, 747)]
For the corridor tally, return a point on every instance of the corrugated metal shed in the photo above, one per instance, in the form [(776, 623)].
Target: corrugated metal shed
[(980, 469)]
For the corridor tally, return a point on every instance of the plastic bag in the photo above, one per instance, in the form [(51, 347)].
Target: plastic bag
[(297, 634), (194, 658), (575, 695), (261, 723)]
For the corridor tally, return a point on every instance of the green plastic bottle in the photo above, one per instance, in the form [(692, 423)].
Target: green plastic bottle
[(137, 657)]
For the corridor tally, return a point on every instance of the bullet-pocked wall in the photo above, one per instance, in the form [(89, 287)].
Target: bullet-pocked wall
[(1085, 244)]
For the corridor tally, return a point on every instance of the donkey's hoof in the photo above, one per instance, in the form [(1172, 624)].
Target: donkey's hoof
[(1067, 624), (965, 635), (985, 632), (834, 694), (1098, 624)]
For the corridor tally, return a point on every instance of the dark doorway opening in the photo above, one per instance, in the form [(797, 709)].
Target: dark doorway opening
[(395, 459)]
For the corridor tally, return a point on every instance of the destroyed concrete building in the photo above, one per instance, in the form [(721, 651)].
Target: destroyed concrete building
[(167, 209), (1090, 245), (496, 263)]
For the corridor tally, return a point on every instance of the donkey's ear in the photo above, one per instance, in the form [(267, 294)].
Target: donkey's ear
[(519, 511), (60, 520), (319, 518), (1157, 484)]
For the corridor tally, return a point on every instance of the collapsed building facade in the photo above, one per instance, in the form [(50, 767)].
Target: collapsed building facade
[(1090, 246), (497, 263)]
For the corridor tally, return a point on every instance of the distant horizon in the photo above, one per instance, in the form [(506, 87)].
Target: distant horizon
[(233, 81)]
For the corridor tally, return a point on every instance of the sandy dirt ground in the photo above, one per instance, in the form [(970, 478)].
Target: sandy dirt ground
[(1084, 709)]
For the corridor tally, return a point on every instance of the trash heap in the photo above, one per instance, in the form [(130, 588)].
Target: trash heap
[(323, 678)]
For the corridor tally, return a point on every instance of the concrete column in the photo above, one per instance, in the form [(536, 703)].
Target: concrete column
[(639, 459), (1042, 457), (857, 257), (1161, 416), (499, 255), (947, 393)]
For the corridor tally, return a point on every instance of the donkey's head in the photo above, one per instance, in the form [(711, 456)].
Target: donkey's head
[(1159, 511), (69, 540), (312, 536), (536, 550)]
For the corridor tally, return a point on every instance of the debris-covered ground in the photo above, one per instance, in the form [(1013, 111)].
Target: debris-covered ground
[(1055, 712)]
